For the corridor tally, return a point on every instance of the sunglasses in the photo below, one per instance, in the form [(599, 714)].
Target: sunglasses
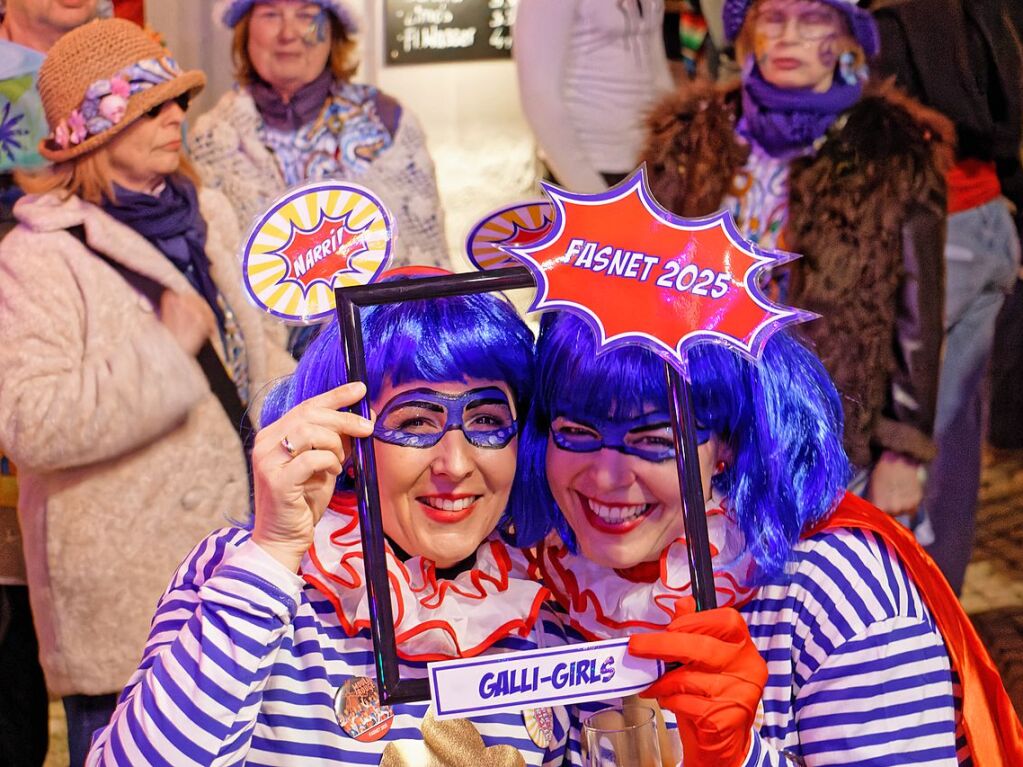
[(182, 101)]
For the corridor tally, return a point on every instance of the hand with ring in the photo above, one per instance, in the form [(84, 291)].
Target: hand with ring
[(295, 462)]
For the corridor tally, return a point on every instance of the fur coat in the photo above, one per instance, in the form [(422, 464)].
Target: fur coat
[(125, 457), (867, 212)]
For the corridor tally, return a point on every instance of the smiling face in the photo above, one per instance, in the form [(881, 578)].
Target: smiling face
[(148, 150), (441, 501), (289, 43), (796, 42), (624, 508)]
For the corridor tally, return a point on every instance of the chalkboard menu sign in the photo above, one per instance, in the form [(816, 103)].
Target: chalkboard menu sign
[(429, 31)]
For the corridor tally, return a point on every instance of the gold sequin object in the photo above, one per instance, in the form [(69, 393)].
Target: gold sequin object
[(451, 743)]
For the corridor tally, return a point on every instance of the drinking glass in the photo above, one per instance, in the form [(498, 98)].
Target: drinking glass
[(621, 736)]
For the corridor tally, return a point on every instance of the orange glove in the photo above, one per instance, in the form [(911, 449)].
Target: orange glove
[(716, 692)]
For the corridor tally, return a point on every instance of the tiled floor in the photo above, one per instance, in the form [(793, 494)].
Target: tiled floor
[(993, 594)]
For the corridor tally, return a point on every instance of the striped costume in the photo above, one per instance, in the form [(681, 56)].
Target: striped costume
[(244, 658), (858, 672)]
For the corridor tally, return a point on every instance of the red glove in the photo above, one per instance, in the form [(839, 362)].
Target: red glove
[(716, 692)]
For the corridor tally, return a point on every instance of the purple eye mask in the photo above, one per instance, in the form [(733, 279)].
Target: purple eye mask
[(421, 417), (588, 435)]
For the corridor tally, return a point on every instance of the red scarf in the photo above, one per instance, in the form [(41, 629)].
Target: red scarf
[(993, 730)]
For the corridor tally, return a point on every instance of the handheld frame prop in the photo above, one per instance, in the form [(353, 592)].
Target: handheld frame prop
[(350, 301), (678, 282)]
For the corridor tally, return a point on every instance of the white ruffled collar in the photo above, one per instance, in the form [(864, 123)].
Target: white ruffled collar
[(434, 619), (603, 603)]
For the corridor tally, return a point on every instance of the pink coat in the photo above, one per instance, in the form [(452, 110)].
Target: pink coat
[(125, 457)]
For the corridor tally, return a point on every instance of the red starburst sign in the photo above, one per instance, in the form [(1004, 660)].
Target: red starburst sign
[(523, 224), (641, 275), (322, 251)]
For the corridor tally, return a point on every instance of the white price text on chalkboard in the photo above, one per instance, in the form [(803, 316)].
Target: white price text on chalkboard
[(429, 31)]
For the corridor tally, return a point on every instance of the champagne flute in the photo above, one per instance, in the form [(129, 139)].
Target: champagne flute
[(621, 736)]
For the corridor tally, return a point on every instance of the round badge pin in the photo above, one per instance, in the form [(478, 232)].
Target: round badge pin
[(540, 725), (358, 710), (313, 239), (522, 224)]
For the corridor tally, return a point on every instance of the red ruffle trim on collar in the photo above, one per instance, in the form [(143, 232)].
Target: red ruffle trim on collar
[(603, 603), (434, 619)]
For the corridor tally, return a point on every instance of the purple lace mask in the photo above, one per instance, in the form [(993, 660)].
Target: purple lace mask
[(647, 437), (421, 417)]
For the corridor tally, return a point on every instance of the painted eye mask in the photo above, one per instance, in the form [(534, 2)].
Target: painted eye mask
[(421, 417), (647, 437)]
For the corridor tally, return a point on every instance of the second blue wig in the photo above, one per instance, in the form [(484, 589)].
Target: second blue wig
[(781, 418)]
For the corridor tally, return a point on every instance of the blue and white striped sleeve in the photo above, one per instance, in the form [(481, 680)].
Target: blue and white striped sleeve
[(554, 634), (217, 629), (867, 679)]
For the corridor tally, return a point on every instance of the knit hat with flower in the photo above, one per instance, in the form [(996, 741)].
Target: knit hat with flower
[(230, 12), (101, 77), (861, 23)]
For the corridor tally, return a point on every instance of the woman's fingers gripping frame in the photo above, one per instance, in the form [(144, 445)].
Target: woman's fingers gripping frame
[(315, 425)]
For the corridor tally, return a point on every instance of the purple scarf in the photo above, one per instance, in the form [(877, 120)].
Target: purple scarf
[(172, 223), (303, 108), (786, 121)]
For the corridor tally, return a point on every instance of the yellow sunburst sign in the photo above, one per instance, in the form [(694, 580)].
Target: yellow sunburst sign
[(313, 239)]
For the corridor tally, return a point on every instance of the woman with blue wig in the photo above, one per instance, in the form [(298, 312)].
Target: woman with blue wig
[(260, 650), (823, 649)]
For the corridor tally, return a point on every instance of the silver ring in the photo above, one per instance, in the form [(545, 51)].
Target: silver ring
[(288, 447)]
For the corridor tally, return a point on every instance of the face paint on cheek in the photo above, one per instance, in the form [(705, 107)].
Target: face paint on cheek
[(760, 49), (317, 31), (827, 52)]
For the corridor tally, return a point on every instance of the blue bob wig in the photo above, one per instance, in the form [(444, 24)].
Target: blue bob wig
[(436, 340), (781, 419)]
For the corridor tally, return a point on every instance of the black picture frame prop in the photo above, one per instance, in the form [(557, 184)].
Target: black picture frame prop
[(350, 302), (690, 482)]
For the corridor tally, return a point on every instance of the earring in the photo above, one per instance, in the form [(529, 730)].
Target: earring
[(847, 68), (720, 466)]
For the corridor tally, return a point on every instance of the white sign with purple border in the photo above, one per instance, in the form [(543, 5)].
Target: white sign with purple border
[(556, 676)]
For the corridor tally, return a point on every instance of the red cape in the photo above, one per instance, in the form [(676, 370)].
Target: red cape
[(992, 727)]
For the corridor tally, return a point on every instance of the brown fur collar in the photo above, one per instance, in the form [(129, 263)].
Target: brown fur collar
[(847, 205), (692, 151)]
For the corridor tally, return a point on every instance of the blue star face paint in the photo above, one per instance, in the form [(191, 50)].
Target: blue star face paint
[(318, 28)]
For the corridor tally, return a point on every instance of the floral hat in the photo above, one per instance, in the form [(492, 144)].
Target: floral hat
[(230, 12), (101, 77), (861, 23)]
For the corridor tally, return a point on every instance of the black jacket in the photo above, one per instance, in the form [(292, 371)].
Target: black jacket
[(963, 59)]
